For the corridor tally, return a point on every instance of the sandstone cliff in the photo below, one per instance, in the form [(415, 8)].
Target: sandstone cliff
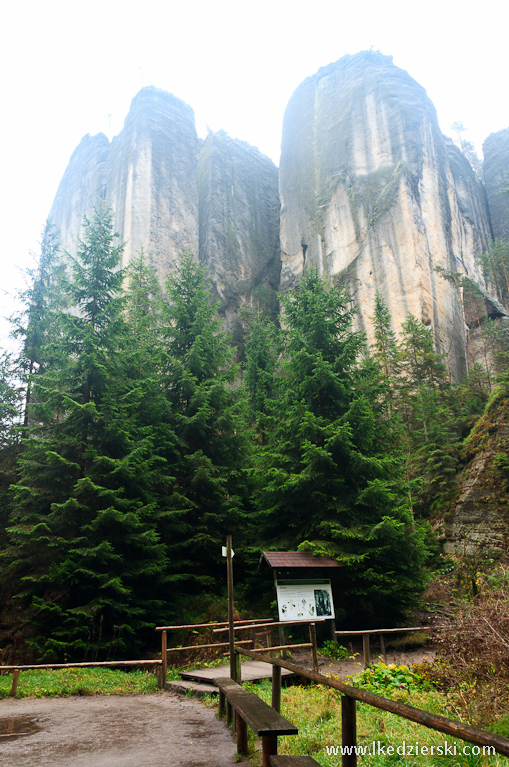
[(373, 195), (495, 171), (147, 175), (479, 517), (239, 223)]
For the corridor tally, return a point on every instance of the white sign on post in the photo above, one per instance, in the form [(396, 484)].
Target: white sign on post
[(302, 600), (224, 552)]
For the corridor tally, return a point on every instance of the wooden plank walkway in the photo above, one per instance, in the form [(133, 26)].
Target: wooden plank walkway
[(251, 671)]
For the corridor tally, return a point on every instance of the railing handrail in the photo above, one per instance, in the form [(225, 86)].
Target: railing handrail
[(85, 664), (274, 624), (381, 631), (426, 718), (207, 625)]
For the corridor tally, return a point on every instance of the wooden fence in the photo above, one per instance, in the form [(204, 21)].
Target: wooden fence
[(192, 627), (348, 710), (283, 646), (91, 664), (366, 649)]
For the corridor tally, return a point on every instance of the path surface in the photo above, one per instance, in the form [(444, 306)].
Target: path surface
[(158, 730)]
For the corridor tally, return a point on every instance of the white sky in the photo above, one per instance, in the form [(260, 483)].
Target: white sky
[(72, 67)]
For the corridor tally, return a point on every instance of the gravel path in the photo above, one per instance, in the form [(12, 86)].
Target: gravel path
[(158, 730)]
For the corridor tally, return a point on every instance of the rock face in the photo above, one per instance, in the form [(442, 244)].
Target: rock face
[(374, 196), (147, 175), (495, 171), (480, 514), (239, 223)]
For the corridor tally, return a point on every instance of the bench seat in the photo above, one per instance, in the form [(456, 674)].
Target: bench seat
[(259, 716)]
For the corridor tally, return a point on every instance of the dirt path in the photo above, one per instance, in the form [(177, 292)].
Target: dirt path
[(343, 668), (113, 731)]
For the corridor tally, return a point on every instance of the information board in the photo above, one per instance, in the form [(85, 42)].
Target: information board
[(302, 600)]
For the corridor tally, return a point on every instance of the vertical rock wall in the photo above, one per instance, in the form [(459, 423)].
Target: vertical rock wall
[(374, 196), (239, 223), (147, 175), (496, 171)]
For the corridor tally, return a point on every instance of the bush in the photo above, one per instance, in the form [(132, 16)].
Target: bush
[(335, 651), (472, 664), (384, 678)]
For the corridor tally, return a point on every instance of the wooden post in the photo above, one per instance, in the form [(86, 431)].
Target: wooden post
[(282, 640), (164, 658), (276, 688), (366, 652), (252, 635), (231, 628), (314, 649), (15, 677), (241, 728), (383, 651), (348, 730), (269, 748), (238, 668)]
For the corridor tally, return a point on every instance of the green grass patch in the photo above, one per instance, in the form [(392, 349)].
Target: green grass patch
[(316, 711), (60, 683)]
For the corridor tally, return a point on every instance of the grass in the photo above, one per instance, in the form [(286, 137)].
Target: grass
[(60, 683), (316, 710)]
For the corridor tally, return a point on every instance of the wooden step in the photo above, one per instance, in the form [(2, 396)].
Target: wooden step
[(183, 686)]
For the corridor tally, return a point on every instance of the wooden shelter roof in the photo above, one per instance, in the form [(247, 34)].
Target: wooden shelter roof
[(296, 559)]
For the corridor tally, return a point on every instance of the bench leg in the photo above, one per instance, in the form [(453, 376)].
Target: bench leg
[(221, 704), (229, 713), (269, 748), (241, 735)]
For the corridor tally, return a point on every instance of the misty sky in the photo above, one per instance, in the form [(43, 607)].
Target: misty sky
[(71, 68)]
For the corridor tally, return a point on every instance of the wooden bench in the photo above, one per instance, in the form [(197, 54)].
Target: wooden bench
[(253, 711), (293, 761)]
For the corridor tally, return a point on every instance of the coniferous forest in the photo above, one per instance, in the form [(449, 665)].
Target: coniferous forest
[(135, 437)]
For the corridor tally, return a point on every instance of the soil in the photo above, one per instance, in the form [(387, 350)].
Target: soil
[(113, 731)]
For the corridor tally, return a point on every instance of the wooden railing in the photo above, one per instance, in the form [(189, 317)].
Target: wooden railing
[(366, 649), (348, 710), (192, 627), (312, 644), (88, 664)]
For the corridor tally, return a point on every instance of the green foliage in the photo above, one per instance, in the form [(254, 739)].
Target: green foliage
[(333, 650), (328, 479), (85, 558), (210, 444), (382, 678)]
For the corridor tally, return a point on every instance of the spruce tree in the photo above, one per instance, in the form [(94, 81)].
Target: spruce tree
[(207, 459), (426, 399), (85, 557), (329, 480)]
